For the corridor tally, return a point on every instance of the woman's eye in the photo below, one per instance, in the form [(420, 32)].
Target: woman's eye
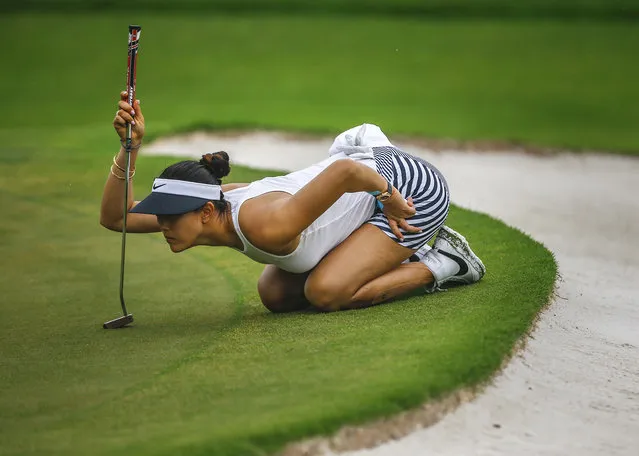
[(168, 219)]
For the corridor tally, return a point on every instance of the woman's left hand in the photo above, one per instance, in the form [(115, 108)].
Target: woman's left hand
[(397, 210)]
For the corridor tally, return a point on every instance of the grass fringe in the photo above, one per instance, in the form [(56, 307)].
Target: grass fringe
[(377, 432)]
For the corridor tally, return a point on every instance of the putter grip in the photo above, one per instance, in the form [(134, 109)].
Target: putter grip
[(134, 40)]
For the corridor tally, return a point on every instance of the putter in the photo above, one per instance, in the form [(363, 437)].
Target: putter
[(134, 37)]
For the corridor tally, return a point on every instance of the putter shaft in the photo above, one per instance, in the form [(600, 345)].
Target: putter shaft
[(124, 215)]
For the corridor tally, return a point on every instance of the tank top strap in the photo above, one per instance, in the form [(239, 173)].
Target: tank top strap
[(236, 198)]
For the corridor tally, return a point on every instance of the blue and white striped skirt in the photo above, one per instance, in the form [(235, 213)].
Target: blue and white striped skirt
[(414, 177)]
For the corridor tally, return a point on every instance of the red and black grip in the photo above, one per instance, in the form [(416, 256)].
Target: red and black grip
[(134, 41)]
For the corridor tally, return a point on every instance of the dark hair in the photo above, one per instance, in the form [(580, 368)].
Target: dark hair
[(209, 170)]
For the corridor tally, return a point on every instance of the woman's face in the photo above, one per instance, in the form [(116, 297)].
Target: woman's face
[(181, 231)]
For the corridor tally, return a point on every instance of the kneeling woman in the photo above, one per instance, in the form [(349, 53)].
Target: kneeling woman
[(334, 235)]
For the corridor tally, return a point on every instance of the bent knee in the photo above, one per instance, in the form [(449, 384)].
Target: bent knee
[(278, 296), (325, 294), (275, 304), (272, 295)]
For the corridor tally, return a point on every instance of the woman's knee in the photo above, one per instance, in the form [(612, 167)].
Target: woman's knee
[(326, 294), (278, 294), (272, 295)]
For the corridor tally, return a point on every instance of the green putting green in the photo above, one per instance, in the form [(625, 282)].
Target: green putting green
[(205, 369)]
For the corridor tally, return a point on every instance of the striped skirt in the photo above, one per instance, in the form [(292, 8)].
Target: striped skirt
[(414, 177)]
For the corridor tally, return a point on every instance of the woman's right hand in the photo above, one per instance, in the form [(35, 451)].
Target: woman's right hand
[(397, 210), (127, 113)]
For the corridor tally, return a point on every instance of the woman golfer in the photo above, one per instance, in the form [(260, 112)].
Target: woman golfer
[(345, 233)]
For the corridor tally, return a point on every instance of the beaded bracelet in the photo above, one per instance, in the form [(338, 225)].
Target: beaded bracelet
[(123, 143)]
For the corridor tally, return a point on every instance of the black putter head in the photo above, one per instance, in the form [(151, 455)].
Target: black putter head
[(119, 322)]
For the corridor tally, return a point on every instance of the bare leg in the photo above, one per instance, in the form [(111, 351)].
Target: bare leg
[(362, 271), (282, 291), (398, 282)]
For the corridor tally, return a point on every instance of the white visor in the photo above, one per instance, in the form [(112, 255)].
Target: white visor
[(186, 188), (170, 196)]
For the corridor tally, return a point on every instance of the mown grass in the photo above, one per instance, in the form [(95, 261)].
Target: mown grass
[(542, 83), (567, 9), (205, 369)]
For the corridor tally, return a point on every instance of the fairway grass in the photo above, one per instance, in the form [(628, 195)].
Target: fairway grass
[(206, 369), (567, 9), (544, 83)]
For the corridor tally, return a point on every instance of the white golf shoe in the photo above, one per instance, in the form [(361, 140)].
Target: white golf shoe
[(451, 260)]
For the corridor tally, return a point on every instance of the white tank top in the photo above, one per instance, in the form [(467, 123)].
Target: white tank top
[(348, 213)]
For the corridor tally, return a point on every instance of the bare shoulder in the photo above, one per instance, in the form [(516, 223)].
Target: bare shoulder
[(260, 222), (229, 187)]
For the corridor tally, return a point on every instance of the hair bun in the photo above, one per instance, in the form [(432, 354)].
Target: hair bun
[(217, 164)]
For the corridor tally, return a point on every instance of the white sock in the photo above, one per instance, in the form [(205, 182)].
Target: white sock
[(419, 253), (441, 266)]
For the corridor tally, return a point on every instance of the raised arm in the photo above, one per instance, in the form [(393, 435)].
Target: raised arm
[(286, 222), (111, 210)]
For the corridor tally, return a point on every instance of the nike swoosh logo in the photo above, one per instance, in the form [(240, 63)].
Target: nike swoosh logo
[(463, 267), (158, 186)]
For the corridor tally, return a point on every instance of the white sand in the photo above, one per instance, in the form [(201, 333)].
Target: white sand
[(575, 388)]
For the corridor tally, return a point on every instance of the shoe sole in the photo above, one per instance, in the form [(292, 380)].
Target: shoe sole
[(461, 245)]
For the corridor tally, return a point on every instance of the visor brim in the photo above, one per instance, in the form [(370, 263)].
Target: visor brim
[(168, 204)]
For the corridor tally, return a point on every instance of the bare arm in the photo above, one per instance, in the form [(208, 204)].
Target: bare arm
[(342, 176), (284, 222), (112, 208)]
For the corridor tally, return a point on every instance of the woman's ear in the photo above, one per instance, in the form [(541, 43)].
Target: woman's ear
[(207, 212)]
